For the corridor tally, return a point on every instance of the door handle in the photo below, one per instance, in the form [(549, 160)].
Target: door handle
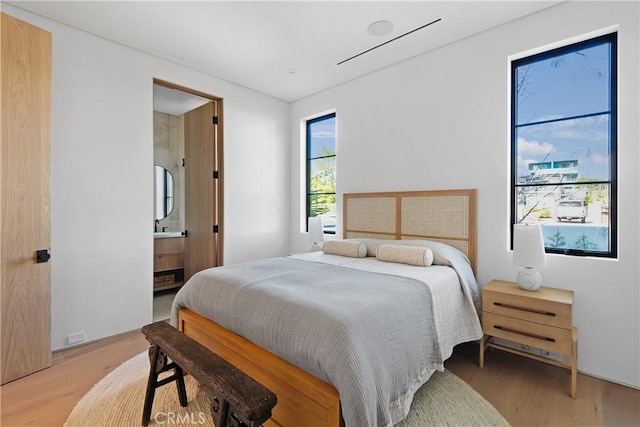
[(42, 255)]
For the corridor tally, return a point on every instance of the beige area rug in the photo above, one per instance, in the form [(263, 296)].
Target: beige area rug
[(117, 400)]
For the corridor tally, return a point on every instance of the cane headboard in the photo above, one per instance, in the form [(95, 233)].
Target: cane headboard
[(448, 216)]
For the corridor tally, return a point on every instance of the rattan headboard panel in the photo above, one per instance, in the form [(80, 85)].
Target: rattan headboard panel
[(442, 216), (448, 216), (372, 214)]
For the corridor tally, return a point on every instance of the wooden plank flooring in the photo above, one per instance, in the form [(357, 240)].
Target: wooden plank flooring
[(46, 398), (531, 393), (526, 392)]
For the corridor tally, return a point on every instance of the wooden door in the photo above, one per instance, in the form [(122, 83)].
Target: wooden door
[(25, 198), (200, 250)]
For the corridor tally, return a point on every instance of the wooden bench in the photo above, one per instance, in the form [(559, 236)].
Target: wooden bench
[(238, 399)]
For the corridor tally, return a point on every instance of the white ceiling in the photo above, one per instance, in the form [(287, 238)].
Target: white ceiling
[(285, 49), (175, 102)]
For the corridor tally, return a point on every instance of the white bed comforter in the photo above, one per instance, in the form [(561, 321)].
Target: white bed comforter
[(376, 331)]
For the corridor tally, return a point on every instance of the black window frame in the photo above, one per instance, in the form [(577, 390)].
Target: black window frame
[(308, 193), (611, 38)]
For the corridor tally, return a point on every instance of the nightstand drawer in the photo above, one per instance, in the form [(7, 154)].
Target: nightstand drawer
[(527, 308), (525, 332)]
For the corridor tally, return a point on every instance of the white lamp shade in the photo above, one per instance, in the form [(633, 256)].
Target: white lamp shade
[(315, 230), (528, 246)]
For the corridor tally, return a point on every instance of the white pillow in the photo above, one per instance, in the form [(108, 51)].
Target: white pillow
[(372, 244), (350, 248), (411, 255), (436, 247)]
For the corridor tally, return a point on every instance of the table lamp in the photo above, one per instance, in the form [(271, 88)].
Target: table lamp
[(316, 235), (528, 252)]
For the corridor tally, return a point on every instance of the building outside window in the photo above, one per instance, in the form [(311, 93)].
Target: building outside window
[(563, 146), (321, 170)]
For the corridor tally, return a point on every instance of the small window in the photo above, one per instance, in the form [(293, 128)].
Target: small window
[(563, 146), (321, 170)]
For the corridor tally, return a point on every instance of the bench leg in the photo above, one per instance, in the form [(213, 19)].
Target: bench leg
[(158, 364), (182, 391), (224, 414), (152, 384), (219, 409)]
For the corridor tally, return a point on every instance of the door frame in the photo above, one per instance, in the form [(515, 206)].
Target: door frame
[(219, 162)]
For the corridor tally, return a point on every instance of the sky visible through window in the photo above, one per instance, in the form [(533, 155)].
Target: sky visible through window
[(323, 137), (567, 86), (563, 119)]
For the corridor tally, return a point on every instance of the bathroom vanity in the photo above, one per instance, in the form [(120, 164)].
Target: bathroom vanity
[(168, 260)]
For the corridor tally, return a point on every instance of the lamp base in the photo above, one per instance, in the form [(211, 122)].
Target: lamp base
[(529, 279), (315, 247)]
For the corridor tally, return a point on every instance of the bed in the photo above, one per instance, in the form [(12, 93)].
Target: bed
[(347, 340)]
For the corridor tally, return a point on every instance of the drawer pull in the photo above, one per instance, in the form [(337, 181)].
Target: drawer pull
[(528, 334), (530, 310)]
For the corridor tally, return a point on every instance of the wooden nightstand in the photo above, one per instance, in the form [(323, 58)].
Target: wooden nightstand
[(541, 319)]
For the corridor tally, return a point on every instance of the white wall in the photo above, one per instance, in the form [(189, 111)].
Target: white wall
[(102, 179), (440, 121)]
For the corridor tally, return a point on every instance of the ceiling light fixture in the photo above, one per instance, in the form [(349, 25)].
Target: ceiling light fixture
[(380, 28), (389, 41)]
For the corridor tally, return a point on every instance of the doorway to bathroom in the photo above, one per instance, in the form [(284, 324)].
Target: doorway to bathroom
[(188, 190)]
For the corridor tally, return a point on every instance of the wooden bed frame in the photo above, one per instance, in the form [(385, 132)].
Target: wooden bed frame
[(448, 216)]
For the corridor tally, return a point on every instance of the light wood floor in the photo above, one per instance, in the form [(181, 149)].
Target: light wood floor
[(531, 393), (526, 392), (46, 398)]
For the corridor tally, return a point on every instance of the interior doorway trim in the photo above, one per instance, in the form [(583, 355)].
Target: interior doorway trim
[(219, 161)]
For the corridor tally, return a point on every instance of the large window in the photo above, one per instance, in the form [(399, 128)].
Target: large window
[(563, 146), (321, 170)]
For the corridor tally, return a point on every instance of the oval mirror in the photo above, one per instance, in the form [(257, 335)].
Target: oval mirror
[(163, 186)]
